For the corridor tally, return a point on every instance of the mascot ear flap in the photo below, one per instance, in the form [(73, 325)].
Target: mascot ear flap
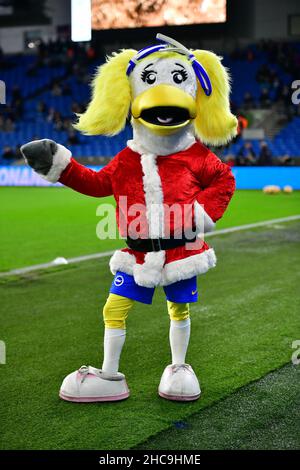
[(107, 112), (214, 123)]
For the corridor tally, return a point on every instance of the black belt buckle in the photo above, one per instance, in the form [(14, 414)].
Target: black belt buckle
[(156, 245)]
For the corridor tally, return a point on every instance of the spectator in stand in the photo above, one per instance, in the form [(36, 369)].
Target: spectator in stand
[(284, 95), (246, 155), (284, 100), (8, 154), (67, 125), (70, 53), (73, 138), (81, 73), (16, 105), (1, 123), (249, 101), (9, 125), (56, 90), (265, 155), (51, 115), (6, 124), (229, 160), (91, 54), (277, 87), (265, 100), (262, 75), (41, 107), (242, 124), (58, 121), (286, 160), (77, 108)]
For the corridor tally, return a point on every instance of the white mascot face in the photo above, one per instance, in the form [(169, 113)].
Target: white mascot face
[(163, 92), (159, 70)]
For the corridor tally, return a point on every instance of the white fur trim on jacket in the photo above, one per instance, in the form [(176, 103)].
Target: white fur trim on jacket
[(149, 274), (153, 272), (61, 160), (122, 261), (203, 221), (188, 267), (153, 196)]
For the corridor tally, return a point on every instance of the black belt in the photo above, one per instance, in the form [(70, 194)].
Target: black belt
[(157, 244)]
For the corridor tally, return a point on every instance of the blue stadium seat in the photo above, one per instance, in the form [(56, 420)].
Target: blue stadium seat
[(34, 124)]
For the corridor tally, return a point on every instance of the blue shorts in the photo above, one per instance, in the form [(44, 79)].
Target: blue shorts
[(180, 292)]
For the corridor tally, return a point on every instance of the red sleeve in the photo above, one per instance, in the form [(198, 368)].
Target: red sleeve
[(218, 185), (88, 181)]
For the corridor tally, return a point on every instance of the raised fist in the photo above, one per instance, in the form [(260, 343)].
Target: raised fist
[(47, 158), (39, 154)]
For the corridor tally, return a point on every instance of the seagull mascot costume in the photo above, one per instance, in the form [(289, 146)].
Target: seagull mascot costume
[(178, 102)]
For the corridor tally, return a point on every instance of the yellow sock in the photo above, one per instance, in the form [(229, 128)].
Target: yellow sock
[(178, 311), (115, 311)]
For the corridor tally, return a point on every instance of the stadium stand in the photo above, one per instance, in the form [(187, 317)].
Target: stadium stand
[(44, 91)]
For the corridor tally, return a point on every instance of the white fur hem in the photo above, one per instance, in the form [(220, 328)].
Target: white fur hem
[(149, 274), (153, 272), (188, 267), (203, 221), (61, 160), (122, 261)]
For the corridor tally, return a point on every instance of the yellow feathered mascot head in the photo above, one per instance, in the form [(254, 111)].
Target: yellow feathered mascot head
[(165, 87)]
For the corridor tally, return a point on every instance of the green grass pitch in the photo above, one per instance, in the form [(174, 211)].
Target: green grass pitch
[(39, 224), (243, 327), (262, 415)]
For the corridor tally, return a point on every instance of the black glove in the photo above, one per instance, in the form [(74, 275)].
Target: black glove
[(39, 154)]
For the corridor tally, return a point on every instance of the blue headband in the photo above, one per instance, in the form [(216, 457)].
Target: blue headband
[(168, 45)]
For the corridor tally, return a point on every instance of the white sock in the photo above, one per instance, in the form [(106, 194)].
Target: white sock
[(114, 339), (179, 339)]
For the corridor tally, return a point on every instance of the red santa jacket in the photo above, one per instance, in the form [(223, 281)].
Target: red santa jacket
[(194, 180)]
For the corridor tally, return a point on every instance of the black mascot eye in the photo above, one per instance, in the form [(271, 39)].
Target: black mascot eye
[(149, 77), (179, 76)]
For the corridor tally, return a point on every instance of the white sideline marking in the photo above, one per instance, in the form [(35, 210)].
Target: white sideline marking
[(104, 254), (256, 224)]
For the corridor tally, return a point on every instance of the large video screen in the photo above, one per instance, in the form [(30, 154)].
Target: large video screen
[(118, 14)]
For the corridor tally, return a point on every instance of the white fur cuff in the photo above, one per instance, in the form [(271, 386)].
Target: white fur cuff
[(203, 221), (61, 160)]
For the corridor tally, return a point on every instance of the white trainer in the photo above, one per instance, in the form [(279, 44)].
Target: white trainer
[(89, 384), (179, 382)]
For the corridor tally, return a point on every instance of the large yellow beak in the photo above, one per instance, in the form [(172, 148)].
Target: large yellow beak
[(164, 109)]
